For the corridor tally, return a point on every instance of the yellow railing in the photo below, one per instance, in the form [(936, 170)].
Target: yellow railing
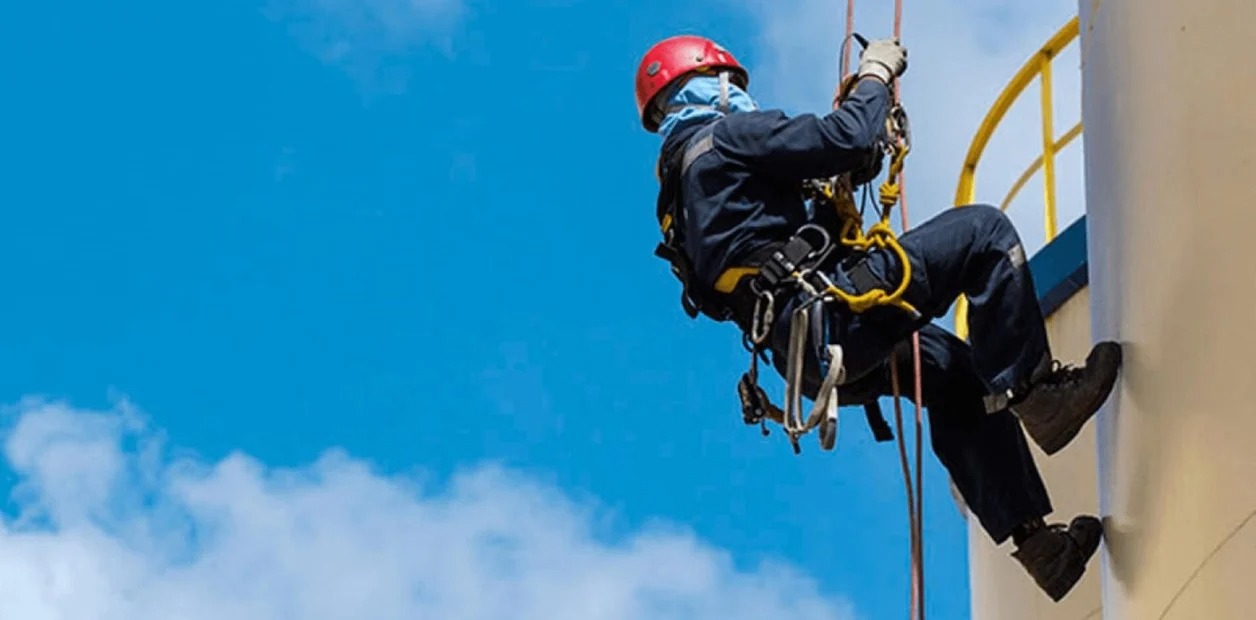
[(1039, 65)]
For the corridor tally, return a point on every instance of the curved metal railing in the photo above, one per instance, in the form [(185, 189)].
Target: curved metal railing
[(1038, 66)]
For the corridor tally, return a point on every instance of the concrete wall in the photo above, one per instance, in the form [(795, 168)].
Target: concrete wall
[(1170, 143)]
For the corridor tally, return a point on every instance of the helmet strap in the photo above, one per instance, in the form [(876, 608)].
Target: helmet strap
[(724, 106)]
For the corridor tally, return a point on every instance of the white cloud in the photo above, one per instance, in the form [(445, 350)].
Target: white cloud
[(961, 54), (112, 524), (366, 37)]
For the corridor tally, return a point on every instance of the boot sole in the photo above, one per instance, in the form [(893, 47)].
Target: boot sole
[(1055, 442), (1058, 441), (1066, 583)]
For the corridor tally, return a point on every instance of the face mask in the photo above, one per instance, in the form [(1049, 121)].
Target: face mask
[(702, 98)]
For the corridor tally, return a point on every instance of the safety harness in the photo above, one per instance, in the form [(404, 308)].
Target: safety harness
[(748, 295)]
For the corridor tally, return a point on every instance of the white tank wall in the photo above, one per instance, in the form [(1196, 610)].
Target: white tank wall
[(1169, 106), (1001, 589)]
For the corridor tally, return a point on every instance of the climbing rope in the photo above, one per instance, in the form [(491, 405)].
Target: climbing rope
[(818, 289), (916, 506), (891, 191)]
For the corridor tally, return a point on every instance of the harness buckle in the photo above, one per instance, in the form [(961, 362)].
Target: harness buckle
[(794, 264), (795, 259)]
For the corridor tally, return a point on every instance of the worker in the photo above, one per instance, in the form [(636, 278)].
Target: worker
[(731, 207)]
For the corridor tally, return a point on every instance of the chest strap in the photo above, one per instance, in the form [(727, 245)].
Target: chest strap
[(670, 213)]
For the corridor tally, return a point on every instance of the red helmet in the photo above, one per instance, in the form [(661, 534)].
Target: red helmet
[(675, 57)]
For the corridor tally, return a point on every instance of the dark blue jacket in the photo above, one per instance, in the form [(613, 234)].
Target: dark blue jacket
[(746, 191)]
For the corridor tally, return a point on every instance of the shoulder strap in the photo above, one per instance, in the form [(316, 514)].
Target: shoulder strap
[(699, 144), (671, 168), (670, 213)]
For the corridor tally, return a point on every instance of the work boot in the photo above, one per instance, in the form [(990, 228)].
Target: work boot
[(1060, 399), (1056, 556)]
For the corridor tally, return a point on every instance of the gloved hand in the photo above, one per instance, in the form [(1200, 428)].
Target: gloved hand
[(884, 59)]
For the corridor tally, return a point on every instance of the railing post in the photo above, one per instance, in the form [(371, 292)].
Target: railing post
[(1048, 145)]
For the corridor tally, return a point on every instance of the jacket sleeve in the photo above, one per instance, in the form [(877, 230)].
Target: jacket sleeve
[(808, 146)]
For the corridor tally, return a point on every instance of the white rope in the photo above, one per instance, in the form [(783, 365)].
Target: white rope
[(798, 327), (825, 408)]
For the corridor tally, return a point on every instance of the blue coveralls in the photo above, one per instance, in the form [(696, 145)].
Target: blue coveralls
[(745, 193)]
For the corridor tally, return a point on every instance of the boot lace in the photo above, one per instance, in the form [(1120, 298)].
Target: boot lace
[(1063, 376)]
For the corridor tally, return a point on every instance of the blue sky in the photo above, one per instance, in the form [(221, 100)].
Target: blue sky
[(419, 234)]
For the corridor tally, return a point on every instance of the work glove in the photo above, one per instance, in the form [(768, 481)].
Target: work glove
[(884, 59)]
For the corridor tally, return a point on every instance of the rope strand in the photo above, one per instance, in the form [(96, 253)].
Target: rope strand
[(918, 564), (896, 193), (915, 492), (846, 41), (912, 518), (918, 538)]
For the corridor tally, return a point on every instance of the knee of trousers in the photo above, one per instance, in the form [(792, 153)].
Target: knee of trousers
[(994, 228), (985, 216)]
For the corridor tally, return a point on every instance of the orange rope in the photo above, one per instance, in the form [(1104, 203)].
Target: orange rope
[(846, 41), (917, 506), (915, 492), (912, 502)]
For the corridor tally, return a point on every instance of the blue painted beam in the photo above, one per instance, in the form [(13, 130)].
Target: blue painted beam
[(1060, 267)]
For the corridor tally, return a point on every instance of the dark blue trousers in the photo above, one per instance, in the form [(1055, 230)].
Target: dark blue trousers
[(976, 251), (986, 455)]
